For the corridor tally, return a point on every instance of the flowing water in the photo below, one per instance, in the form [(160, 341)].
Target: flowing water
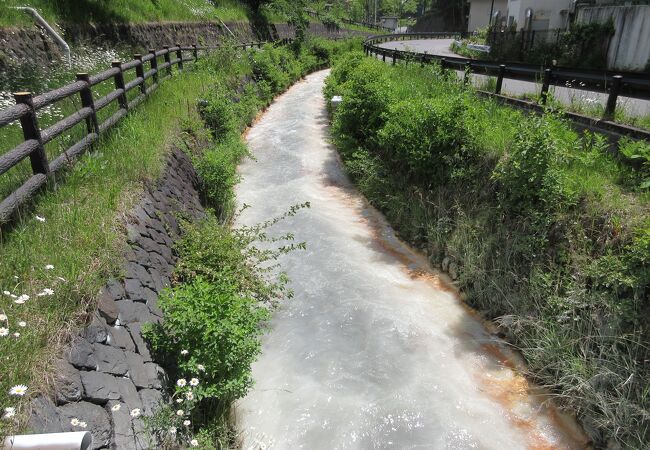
[(373, 351)]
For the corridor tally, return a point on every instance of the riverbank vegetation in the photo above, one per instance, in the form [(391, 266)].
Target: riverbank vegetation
[(546, 232), (56, 260), (225, 285)]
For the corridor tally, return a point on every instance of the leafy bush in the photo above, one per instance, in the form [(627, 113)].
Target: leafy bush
[(366, 98), (530, 177), (427, 137), (638, 152), (217, 171)]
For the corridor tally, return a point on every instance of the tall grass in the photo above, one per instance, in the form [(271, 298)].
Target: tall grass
[(132, 11), (548, 231)]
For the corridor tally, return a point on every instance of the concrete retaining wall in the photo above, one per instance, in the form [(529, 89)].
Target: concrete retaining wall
[(629, 48)]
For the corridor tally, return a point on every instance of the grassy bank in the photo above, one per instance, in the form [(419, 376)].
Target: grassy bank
[(546, 233), (81, 235), (130, 11)]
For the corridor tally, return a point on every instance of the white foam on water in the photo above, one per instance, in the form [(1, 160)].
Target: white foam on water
[(371, 352)]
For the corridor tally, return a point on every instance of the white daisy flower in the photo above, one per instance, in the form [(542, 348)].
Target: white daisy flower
[(194, 443), (16, 335), (194, 382), (186, 423), (181, 382), (22, 299), (172, 430), (3, 317), (189, 395), (74, 422), (83, 424), (7, 293), (135, 412), (61, 279), (18, 390), (180, 412), (49, 267), (200, 367), (116, 407), (46, 291), (179, 400), (22, 323), (40, 219), (4, 332), (9, 412), (184, 352)]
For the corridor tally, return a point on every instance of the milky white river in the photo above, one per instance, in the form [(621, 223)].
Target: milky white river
[(373, 351)]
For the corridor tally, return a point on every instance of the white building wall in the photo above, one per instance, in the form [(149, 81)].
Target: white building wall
[(547, 14), (630, 45), (479, 12)]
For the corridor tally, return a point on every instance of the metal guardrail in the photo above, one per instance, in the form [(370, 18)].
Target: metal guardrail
[(27, 105), (614, 83)]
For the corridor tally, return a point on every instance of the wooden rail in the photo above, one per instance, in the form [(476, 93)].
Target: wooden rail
[(614, 83), (27, 105)]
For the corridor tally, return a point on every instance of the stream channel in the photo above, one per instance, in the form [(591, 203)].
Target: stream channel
[(375, 350)]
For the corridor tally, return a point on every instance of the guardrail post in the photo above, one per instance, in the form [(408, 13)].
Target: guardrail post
[(383, 55), (31, 130), (88, 102), (610, 109), (394, 57), (119, 84), (422, 59), (139, 72), (179, 55), (154, 65), (168, 60), (443, 66), (502, 72), (195, 52), (545, 85)]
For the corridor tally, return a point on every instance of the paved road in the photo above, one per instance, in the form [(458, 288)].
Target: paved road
[(567, 96), (373, 351)]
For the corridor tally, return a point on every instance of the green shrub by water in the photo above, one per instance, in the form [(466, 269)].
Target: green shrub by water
[(549, 231)]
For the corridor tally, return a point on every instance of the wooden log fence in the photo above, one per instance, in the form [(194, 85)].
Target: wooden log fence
[(35, 138)]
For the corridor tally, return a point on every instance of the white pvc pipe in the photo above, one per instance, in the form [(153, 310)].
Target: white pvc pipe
[(49, 29), (81, 440)]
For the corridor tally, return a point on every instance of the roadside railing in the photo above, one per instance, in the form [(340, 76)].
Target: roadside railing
[(613, 83), (149, 69)]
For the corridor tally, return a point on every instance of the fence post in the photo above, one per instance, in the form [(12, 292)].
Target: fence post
[(195, 52), (610, 109), (383, 53), (545, 85), (154, 65), (88, 102), (139, 72), (168, 60), (502, 72), (179, 55), (422, 59), (394, 57), (31, 130), (119, 84)]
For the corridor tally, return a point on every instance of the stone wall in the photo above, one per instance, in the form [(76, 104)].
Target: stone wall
[(30, 45), (108, 365)]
